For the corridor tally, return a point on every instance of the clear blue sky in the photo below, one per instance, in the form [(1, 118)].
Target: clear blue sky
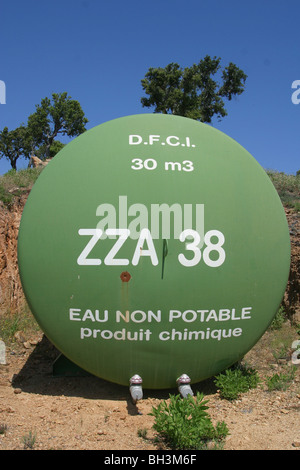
[(99, 50)]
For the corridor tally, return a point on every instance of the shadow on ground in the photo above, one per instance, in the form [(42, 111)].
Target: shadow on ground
[(36, 376)]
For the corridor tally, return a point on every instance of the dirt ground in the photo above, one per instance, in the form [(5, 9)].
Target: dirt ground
[(87, 413)]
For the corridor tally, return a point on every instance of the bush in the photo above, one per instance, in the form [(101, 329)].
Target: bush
[(21, 178), (185, 424), (278, 320), (281, 381), (29, 440), (235, 381), (288, 188), (5, 196), (23, 321)]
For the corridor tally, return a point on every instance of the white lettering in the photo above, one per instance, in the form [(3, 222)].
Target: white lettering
[(2, 92), (88, 315), (190, 316), (193, 317), (145, 236), (190, 247), (164, 219), (173, 137), (138, 164), (212, 316), (295, 95), (109, 221), (296, 354), (214, 247), (246, 313), (82, 258), (187, 165), (139, 222), (74, 314), (237, 332), (153, 138), (163, 212), (164, 335), (174, 314), (135, 139), (85, 333), (207, 334), (110, 257), (120, 315), (174, 166), (119, 335)]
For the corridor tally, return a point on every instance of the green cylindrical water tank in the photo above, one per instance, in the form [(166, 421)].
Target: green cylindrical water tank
[(154, 245)]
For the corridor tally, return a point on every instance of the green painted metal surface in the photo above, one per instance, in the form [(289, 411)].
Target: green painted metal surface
[(154, 245)]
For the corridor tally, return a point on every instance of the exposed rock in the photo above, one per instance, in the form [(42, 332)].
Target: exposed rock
[(291, 301), (19, 336), (37, 162), (11, 293)]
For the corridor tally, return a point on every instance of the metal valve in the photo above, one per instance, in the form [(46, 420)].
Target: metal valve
[(135, 388), (183, 383)]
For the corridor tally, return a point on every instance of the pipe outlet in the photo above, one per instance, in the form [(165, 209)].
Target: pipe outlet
[(135, 388), (183, 383)]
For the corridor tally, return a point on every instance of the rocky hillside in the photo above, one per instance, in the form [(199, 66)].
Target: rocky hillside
[(11, 294), (291, 301)]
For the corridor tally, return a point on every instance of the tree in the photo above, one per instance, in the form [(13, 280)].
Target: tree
[(61, 116), (192, 92), (55, 147), (14, 143)]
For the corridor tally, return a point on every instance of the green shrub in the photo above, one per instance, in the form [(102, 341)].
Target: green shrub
[(5, 196), (142, 432), (23, 321), (235, 381), (14, 182), (185, 424), (21, 178), (288, 188), (278, 320), (3, 428), (29, 440), (281, 381)]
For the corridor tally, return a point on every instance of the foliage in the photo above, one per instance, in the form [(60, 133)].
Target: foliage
[(13, 144), (11, 323), (288, 188), (142, 432), (29, 440), (236, 380), (13, 182), (282, 380), (3, 428), (185, 424), (59, 115), (5, 196), (21, 178), (281, 353), (53, 150), (62, 116), (192, 92), (278, 320)]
